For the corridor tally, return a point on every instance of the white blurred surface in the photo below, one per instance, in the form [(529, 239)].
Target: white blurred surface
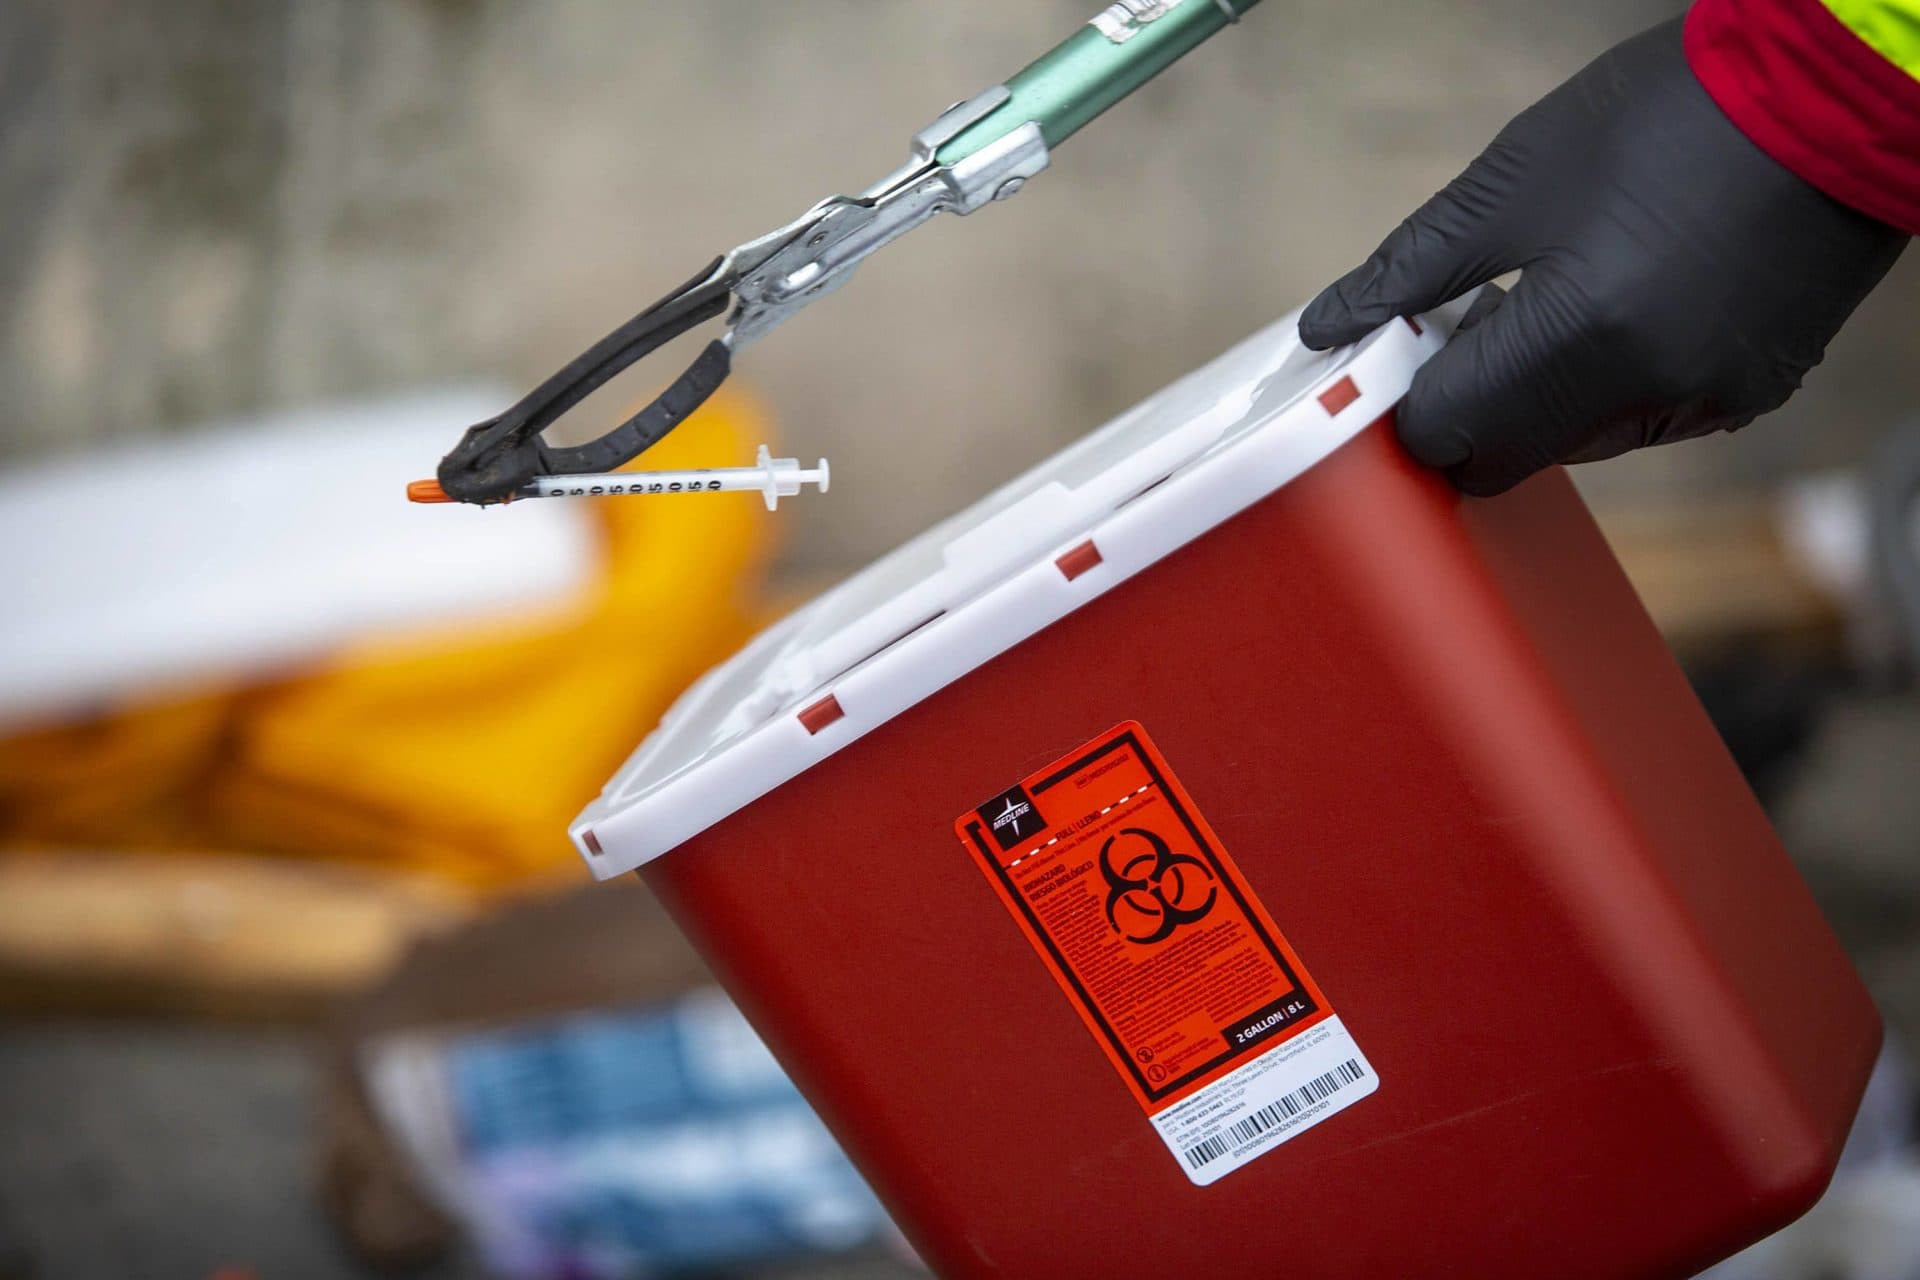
[(242, 548)]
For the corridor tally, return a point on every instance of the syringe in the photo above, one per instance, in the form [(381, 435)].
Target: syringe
[(772, 478)]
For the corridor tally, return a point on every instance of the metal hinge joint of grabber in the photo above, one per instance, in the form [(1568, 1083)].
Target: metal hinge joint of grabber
[(768, 281)]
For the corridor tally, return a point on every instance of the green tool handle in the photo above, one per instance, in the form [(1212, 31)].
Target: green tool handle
[(1079, 79)]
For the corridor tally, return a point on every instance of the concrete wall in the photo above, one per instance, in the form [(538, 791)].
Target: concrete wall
[(213, 207)]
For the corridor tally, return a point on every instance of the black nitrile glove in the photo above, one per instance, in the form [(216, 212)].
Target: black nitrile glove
[(1675, 279)]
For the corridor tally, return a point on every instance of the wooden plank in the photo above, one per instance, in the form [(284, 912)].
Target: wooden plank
[(1716, 571), (214, 936)]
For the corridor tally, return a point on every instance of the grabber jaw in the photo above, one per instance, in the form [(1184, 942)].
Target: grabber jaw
[(494, 459), (484, 468), (768, 281)]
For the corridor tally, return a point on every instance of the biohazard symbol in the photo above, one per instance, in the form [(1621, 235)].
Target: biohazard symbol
[(1152, 891)]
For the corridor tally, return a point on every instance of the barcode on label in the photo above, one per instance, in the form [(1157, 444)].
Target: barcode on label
[(1275, 1114)]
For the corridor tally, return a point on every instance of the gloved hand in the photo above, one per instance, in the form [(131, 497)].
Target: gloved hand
[(1675, 279)]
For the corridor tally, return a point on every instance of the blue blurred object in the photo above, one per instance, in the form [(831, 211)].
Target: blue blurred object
[(621, 1144)]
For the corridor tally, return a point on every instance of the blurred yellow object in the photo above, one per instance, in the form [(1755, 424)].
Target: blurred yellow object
[(462, 752)]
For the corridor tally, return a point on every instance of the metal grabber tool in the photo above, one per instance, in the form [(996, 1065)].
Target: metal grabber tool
[(977, 152)]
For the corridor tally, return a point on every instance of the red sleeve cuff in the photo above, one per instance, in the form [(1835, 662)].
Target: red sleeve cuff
[(1815, 97)]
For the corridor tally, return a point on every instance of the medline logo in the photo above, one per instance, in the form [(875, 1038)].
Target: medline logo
[(1012, 818), (1011, 815)]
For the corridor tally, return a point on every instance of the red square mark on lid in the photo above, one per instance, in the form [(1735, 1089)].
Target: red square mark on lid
[(1339, 396), (821, 714), (1079, 560)]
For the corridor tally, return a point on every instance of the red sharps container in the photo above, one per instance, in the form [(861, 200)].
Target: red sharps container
[(1227, 850)]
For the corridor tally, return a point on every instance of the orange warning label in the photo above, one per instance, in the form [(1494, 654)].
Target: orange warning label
[(1142, 917)]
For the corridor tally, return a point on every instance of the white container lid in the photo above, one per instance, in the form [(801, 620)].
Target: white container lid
[(973, 586)]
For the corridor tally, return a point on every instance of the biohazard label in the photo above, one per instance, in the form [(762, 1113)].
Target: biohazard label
[(1170, 960)]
